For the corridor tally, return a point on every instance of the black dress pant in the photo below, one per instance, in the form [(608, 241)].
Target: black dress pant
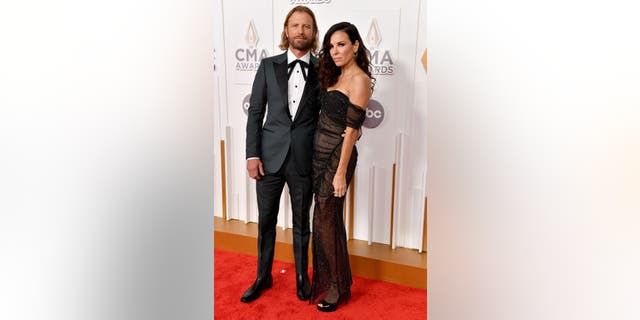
[(268, 190)]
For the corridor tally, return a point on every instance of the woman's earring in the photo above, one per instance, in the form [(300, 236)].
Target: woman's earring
[(355, 54)]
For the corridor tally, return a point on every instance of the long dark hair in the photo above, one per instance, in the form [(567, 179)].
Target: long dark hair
[(328, 72)]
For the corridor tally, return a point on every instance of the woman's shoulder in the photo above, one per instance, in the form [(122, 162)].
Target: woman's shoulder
[(360, 89), (361, 78)]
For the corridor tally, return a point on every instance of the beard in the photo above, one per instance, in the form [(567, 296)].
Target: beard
[(300, 43)]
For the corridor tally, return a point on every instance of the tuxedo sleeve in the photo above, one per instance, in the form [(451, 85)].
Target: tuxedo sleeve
[(255, 114)]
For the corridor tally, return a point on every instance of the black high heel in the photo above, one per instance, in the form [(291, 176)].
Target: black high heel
[(325, 306)]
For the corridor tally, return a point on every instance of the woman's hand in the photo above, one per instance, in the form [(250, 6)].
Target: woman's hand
[(339, 185)]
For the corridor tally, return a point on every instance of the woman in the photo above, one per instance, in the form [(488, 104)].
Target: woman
[(345, 80)]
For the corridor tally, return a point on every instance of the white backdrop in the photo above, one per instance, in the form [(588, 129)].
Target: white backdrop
[(395, 129)]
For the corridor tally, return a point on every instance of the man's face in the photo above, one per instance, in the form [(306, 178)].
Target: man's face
[(299, 31)]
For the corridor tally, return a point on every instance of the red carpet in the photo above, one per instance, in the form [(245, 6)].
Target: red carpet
[(370, 299)]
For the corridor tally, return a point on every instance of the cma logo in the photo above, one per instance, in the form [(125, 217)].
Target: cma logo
[(381, 62), (248, 59), (250, 54), (374, 114)]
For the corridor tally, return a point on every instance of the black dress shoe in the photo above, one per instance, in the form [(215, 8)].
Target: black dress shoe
[(303, 287), (327, 307), (256, 288)]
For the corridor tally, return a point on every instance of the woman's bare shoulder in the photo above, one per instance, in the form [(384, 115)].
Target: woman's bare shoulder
[(360, 90)]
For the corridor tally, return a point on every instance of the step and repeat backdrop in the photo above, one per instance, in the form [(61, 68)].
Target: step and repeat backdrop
[(390, 181)]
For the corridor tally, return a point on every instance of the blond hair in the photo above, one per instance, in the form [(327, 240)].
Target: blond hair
[(284, 42)]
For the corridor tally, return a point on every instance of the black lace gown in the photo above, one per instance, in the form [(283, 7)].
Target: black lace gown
[(330, 256)]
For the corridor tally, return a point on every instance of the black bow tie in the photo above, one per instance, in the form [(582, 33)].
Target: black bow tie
[(303, 66)]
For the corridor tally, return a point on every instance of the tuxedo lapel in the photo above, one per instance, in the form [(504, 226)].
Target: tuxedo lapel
[(280, 67)]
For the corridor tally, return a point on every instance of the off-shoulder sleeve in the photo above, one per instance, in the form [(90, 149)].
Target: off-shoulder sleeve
[(355, 116)]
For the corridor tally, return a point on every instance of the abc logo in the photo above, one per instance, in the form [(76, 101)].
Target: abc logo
[(245, 104), (375, 114)]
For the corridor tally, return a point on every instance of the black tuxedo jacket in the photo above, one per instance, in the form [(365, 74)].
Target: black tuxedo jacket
[(280, 131)]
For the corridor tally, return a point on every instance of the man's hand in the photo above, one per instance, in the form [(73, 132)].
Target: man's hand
[(254, 167)]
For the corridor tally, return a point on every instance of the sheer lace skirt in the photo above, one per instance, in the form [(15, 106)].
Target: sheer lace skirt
[(330, 254)]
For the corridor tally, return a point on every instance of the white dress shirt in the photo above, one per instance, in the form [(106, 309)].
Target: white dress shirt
[(296, 82)]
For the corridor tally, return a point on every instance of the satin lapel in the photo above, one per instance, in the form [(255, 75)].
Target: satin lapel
[(312, 81), (280, 67)]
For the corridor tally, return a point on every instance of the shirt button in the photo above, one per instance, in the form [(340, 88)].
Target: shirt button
[(294, 101), (296, 86)]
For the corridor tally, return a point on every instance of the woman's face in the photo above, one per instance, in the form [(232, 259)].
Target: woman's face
[(341, 49)]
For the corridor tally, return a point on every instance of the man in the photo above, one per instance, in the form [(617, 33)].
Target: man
[(280, 151)]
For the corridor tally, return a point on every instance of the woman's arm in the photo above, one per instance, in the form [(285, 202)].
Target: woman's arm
[(340, 179), (359, 96)]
